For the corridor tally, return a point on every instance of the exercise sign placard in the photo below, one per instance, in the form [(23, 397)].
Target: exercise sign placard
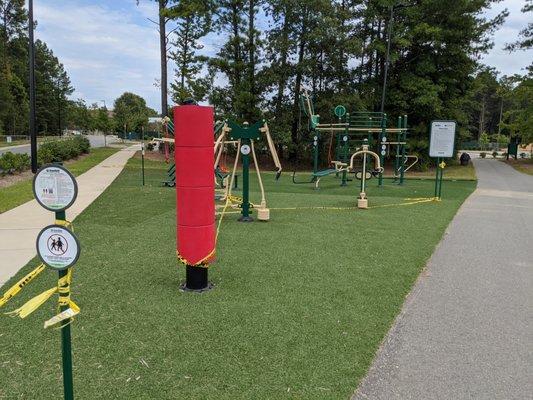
[(442, 138), (57, 247), (54, 188)]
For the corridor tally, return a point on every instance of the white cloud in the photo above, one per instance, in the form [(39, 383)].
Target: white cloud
[(109, 46), (505, 62), (105, 50)]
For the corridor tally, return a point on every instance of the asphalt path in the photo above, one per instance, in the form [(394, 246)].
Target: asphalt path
[(466, 329)]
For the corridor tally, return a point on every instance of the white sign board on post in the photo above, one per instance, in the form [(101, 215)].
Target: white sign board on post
[(57, 247), (442, 139), (55, 188)]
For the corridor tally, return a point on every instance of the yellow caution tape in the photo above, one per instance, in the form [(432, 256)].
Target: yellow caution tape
[(62, 288), (17, 287), (203, 262), (33, 304), (67, 314)]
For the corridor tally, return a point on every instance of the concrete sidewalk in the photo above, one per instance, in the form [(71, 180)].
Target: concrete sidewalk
[(465, 331), (19, 227)]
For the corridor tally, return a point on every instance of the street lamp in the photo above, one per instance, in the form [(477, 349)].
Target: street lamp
[(105, 109), (33, 133)]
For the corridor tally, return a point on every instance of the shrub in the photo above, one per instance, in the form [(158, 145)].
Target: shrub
[(83, 144), (494, 154), (483, 154), (523, 155), (62, 150), (44, 156), (10, 163)]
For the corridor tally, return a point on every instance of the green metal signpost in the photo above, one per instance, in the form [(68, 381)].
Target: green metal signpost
[(55, 189), (245, 134), (441, 145)]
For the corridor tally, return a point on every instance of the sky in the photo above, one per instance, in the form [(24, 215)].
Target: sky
[(110, 46)]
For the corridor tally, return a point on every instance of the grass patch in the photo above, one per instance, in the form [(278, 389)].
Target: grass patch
[(14, 143), (451, 173), (300, 306), (21, 192), (521, 165)]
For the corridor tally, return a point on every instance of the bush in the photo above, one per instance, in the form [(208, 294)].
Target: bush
[(10, 163), (494, 154), (483, 154), (62, 150), (45, 156), (83, 144), (523, 155)]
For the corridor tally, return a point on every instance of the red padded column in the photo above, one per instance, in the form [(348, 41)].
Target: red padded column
[(195, 190)]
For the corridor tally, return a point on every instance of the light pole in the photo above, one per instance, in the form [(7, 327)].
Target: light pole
[(105, 110), (33, 133)]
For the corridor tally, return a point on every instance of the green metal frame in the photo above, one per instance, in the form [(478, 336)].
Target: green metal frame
[(245, 134)]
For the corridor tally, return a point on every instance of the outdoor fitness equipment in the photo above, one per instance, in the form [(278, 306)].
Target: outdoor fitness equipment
[(244, 137), (362, 201), (195, 192), (350, 131)]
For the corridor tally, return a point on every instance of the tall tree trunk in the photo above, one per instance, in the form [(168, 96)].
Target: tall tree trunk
[(282, 81), (236, 55), (298, 82), (482, 118), (163, 51), (251, 56)]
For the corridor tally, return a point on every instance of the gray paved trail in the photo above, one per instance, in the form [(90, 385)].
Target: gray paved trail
[(466, 330)]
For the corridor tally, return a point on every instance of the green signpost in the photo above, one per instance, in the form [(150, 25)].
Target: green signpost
[(245, 134), (55, 188), (441, 146)]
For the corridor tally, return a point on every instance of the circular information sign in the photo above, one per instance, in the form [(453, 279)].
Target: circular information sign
[(55, 188), (57, 247), (245, 149), (340, 111)]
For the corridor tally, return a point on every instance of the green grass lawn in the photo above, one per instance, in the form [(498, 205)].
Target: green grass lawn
[(21, 192), (300, 305), (522, 165), (451, 172), (14, 143)]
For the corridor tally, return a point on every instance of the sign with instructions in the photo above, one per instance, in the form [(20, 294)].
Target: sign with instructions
[(57, 247), (442, 139), (55, 188)]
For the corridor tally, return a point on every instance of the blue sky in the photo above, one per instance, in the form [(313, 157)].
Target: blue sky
[(109, 46)]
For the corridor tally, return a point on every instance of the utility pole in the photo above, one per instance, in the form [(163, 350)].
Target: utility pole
[(500, 123), (33, 133), (163, 49)]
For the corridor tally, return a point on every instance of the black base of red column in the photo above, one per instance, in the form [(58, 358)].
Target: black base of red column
[(196, 279)]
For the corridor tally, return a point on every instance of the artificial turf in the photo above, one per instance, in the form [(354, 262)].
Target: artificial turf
[(299, 308)]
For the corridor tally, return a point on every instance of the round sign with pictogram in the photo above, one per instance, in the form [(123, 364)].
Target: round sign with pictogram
[(55, 188), (57, 247)]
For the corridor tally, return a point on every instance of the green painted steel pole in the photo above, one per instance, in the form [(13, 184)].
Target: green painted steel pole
[(344, 159), (437, 178), (66, 340), (382, 134), (397, 158), (403, 159), (440, 183), (245, 183), (315, 151), (142, 151)]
